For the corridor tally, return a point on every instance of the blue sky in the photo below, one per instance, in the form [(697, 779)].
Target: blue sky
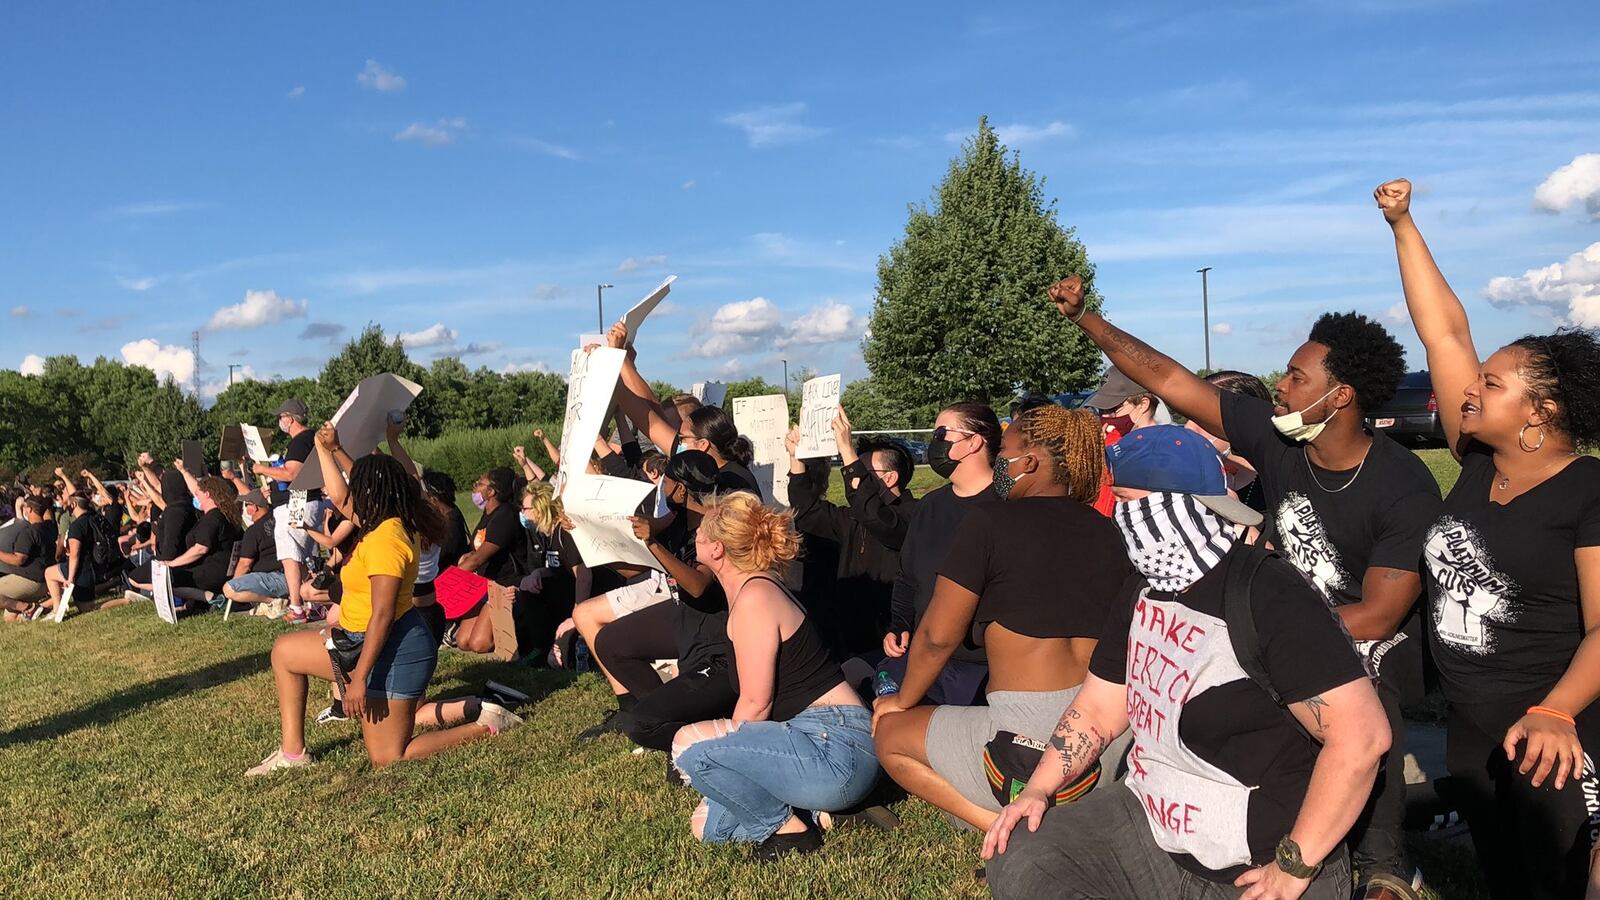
[(279, 176)]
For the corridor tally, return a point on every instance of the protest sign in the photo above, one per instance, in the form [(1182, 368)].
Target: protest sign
[(710, 393), (819, 404), (232, 449), (66, 601), (636, 316), (161, 590), (765, 421), (363, 421), (599, 506), (194, 458), (254, 443), (590, 386)]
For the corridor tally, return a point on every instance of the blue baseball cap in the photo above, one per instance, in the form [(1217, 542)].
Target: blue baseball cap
[(1171, 459)]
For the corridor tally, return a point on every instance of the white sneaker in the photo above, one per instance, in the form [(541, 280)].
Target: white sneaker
[(135, 597), (497, 718), (277, 760)]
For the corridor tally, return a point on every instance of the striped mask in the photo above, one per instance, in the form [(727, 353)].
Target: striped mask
[(1172, 540)]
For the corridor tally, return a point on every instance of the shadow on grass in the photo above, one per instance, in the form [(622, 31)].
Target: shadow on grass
[(536, 683), (126, 702)]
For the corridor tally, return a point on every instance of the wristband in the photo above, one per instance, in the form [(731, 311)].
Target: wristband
[(1079, 317), (1552, 713)]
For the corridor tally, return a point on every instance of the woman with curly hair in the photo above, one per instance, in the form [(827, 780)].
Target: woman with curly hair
[(1033, 580), (381, 652), (1514, 580), (799, 738)]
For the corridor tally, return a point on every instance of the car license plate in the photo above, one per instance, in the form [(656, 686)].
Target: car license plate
[(1384, 423)]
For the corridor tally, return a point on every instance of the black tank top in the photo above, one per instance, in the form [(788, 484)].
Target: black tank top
[(805, 669)]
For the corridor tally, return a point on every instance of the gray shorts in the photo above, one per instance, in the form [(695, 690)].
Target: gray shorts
[(956, 735)]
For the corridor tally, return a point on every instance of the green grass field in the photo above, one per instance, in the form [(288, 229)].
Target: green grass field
[(123, 742)]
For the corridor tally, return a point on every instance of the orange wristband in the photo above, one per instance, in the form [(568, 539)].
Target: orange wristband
[(1553, 713)]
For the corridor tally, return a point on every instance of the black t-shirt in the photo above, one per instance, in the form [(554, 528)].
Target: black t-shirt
[(734, 476), (1045, 567), (259, 546), (1503, 580), (173, 528), (302, 447), (218, 536), (26, 539), (82, 531), (511, 561), (928, 537), (49, 537), (1334, 536), (703, 620), (456, 544), (1221, 770)]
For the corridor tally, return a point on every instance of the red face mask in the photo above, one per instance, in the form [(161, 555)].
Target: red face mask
[(1114, 427)]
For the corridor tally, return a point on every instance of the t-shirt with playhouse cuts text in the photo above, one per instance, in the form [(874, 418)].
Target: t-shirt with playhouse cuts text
[(1220, 769)]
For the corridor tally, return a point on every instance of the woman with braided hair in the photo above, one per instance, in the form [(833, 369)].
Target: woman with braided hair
[(381, 652), (1032, 579)]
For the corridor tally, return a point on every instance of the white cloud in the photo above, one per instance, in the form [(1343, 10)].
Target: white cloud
[(1222, 328), (296, 92), (1398, 314), (635, 263), (166, 360), (688, 185), (747, 317), (537, 365), (377, 78), (258, 308), (1017, 135), (772, 126), (435, 335), (137, 284), (1575, 182), (1569, 291), (32, 364), (438, 134), (546, 147), (830, 322), (210, 389), (18, 312)]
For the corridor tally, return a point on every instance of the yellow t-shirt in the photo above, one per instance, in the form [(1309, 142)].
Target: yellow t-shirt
[(386, 550)]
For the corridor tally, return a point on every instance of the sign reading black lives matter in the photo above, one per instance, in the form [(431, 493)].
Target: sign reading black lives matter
[(819, 404)]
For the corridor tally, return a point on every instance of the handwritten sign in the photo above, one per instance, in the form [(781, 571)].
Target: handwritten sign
[(599, 506), (765, 421), (636, 316), (254, 444), (590, 385), (363, 421), (819, 404), (710, 393), (161, 590), (194, 458)]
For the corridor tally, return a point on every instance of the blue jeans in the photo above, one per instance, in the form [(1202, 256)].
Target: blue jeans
[(755, 777)]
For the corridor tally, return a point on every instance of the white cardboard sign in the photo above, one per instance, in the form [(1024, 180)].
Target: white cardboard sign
[(765, 421), (636, 316), (599, 506), (161, 590), (819, 404), (710, 393), (362, 421), (253, 444), (590, 386)]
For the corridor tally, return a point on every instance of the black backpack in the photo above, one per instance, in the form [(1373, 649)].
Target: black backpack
[(1242, 571), (108, 558)]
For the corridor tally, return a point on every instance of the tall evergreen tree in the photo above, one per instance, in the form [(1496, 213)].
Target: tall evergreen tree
[(961, 309)]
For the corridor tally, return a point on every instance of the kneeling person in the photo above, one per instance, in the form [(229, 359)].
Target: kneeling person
[(258, 576), (1222, 781)]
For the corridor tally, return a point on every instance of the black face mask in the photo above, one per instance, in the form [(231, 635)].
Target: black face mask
[(939, 458)]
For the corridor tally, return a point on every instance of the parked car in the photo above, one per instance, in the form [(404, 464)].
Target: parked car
[(1412, 415), (1071, 400)]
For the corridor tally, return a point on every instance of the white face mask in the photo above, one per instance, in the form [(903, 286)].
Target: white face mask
[(1293, 425)]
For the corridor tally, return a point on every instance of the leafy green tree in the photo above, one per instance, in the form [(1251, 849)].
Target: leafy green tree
[(167, 418), (961, 309), (665, 390), (870, 410)]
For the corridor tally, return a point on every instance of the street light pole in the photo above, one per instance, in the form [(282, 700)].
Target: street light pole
[(786, 378), (231, 367), (600, 304), (1205, 311)]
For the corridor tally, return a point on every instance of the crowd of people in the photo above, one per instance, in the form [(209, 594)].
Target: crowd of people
[(1142, 659)]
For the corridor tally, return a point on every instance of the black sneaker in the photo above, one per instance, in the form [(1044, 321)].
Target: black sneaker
[(611, 724), (780, 845), (508, 697), (673, 775)]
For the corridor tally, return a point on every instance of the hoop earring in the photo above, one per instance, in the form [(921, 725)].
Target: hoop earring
[(1523, 443)]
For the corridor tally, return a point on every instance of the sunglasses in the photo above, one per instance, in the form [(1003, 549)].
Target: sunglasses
[(940, 432)]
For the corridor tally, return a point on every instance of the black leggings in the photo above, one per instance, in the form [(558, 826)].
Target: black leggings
[(703, 689), (629, 646), (1533, 843)]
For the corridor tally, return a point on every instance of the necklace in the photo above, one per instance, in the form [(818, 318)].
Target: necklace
[(1312, 471), (1505, 480)]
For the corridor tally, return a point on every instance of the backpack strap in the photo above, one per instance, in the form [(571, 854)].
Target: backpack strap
[(1237, 611)]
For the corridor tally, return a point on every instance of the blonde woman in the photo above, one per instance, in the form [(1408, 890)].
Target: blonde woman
[(559, 576), (800, 739)]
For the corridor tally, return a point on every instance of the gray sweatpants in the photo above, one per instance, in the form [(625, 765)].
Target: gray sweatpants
[(1100, 848)]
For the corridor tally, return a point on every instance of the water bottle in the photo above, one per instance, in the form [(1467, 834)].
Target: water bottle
[(885, 685), (582, 663)]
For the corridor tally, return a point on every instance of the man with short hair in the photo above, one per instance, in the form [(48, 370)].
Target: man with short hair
[(1119, 396), (258, 576), (293, 545), (1347, 505), (26, 550)]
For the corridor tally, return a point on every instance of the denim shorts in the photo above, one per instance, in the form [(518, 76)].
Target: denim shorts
[(405, 665), (267, 584)]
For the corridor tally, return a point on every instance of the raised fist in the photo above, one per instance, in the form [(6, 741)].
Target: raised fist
[(1067, 295), (791, 441), (145, 459), (617, 337), (539, 433), (86, 473), (1394, 198), (328, 437), (519, 454)]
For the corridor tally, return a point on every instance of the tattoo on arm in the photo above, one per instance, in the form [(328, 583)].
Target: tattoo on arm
[(1136, 349), (1078, 743), (1316, 705)]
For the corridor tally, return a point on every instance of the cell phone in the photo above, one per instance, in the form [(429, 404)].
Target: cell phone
[(397, 416)]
